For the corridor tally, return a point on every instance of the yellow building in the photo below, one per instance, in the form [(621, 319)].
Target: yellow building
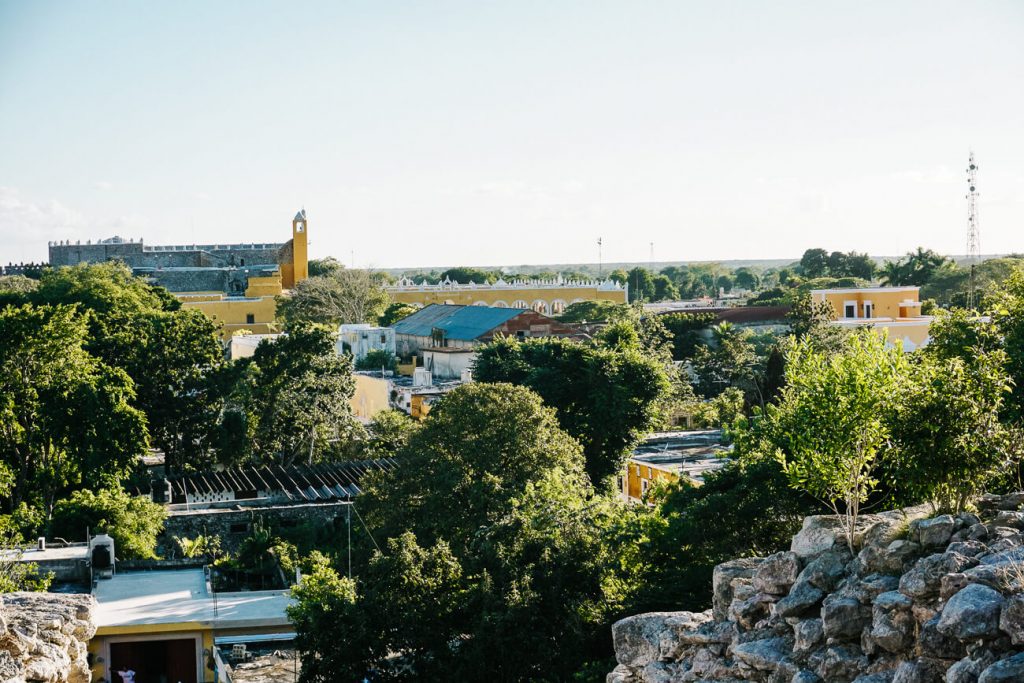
[(169, 625), (667, 457), (894, 311), (550, 297), (256, 310)]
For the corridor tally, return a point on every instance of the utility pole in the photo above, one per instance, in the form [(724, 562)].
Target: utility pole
[(973, 239), (600, 263)]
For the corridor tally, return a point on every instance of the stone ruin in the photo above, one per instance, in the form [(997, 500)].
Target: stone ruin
[(939, 599), (43, 637)]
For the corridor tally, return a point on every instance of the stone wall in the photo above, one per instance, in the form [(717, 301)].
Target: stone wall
[(235, 524), (43, 637), (938, 599)]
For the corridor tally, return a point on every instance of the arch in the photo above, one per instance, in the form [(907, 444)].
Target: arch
[(558, 307), (541, 306), (519, 303), (577, 301), (449, 302), (480, 303), (500, 304)]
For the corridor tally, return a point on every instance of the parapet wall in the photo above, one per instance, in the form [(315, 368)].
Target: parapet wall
[(43, 637), (938, 599)]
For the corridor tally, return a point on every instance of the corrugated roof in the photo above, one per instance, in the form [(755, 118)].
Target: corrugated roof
[(458, 322)]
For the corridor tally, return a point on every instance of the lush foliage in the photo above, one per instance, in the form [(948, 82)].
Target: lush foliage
[(489, 553), (605, 397), (342, 295), (378, 360), (828, 426), (291, 401), (66, 418), (133, 522)]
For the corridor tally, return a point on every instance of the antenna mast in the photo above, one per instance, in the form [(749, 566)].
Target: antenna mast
[(973, 241), (600, 263)]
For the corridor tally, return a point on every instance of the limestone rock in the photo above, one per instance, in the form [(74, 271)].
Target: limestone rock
[(802, 598), (765, 655), (968, 669), (777, 574), (808, 634), (722, 582), (1010, 670), (924, 578), (933, 533), (819, 534), (972, 613), (843, 617), (892, 622), (1011, 620)]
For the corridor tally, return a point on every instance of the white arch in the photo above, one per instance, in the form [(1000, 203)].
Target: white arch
[(541, 306), (500, 304), (558, 307), (480, 303), (577, 301)]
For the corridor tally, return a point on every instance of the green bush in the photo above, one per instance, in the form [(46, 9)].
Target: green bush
[(133, 522)]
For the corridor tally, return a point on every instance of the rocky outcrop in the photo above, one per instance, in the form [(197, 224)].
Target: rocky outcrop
[(43, 637), (924, 599)]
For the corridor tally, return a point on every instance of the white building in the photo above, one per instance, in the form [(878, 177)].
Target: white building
[(360, 339)]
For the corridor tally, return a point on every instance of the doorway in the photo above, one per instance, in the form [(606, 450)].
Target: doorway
[(156, 661)]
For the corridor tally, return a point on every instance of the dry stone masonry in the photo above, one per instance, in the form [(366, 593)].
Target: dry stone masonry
[(43, 637), (924, 599)]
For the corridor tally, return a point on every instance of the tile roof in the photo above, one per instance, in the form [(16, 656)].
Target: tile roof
[(458, 322)]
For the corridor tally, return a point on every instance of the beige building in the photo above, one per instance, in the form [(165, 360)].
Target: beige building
[(894, 311)]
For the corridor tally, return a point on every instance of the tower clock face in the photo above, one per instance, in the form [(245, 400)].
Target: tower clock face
[(300, 227)]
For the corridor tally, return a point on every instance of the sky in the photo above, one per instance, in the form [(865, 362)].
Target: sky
[(436, 133)]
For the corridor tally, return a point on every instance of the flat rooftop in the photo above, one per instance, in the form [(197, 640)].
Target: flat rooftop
[(74, 551), (691, 454), (181, 595)]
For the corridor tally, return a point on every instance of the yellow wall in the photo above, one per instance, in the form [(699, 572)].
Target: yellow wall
[(269, 285), (637, 472), (507, 296), (371, 396), (886, 301), (300, 258), (98, 650), (231, 313)]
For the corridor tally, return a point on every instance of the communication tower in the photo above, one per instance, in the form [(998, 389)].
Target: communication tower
[(973, 240)]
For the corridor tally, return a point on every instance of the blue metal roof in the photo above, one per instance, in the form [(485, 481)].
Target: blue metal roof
[(458, 322)]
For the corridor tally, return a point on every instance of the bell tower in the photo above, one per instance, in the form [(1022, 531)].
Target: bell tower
[(300, 256)]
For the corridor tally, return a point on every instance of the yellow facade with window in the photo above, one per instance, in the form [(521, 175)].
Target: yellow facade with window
[(893, 311), (550, 297)]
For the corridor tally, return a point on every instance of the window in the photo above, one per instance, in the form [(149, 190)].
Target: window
[(383, 339), (618, 482), (869, 309), (850, 309), (250, 318), (644, 485)]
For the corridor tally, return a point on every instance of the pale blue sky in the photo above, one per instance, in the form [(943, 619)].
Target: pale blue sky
[(442, 133)]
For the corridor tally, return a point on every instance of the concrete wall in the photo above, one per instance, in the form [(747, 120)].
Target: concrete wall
[(234, 525)]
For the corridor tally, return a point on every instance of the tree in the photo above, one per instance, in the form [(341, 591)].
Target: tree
[(65, 417), (641, 284), (395, 312), (814, 263), (388, 433), (594, 312), (606, 398), (828, 426), (344, 296), (175, 356), (916, 268), (294, 395), (685, 329), (490, 550), (724, 283), (755, 513), (378, 359), (746, 279), (948, 441), (324, 266), (134, 522), (731, 360), (813, 320), (664, 289), (465, 275), (859, 265), (1006, 305)]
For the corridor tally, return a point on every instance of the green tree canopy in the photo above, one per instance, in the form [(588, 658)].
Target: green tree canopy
[(65, 416), (606, 398), (294, 395), (395, 312), (134, 522), (342, 296)]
